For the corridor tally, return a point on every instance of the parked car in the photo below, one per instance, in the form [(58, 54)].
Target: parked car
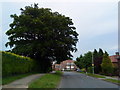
[(78, 70)]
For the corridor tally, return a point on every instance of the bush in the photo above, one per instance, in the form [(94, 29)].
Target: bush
[(116, 71), (90, 69), (106, 65), (13, 64)]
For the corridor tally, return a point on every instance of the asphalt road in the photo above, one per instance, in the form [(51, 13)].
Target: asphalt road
[(78, 80)]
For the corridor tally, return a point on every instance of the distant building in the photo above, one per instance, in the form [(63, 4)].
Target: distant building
[(65, 65), (57, 67)]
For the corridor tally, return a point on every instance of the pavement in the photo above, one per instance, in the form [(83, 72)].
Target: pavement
[(23, 83), (78, 80)]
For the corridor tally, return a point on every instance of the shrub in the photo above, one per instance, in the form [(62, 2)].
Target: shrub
[(106, 65), (15, 64), (90, 69), (116, 71)]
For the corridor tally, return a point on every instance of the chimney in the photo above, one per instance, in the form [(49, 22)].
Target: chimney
[(117, 53)]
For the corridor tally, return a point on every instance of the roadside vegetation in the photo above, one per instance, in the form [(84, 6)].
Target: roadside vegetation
[(99, 60), (36, 37), (15, 67), (113, 81), (47, 81), (104, 77), (95, 75), (13, 64), (42, 35)]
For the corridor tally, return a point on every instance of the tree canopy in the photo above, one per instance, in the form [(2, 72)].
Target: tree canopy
[(43, 35), (98, 56), (84, 61)]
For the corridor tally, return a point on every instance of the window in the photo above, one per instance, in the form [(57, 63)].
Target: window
[(57, 66), (72, 66), (67, 66)]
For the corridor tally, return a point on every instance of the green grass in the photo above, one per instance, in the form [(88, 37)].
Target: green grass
[(95, 75), (7, 80), (47, 81), (113, 81)]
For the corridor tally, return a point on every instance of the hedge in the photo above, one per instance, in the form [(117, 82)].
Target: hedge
[(13, 64)]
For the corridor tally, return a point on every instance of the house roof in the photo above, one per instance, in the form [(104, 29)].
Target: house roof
[(57, 64), (114, 58), (69, 61)]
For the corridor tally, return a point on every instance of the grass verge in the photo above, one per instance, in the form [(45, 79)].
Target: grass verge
[(113, 81), (104, 78), (95, 75), (47, 81), (7, 80)]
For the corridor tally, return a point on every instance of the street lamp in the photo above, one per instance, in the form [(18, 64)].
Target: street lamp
[(92, 64)]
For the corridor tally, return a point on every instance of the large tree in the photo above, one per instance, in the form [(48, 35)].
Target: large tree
[(98, 56), (84, 61), (80, 62), (42, 35)]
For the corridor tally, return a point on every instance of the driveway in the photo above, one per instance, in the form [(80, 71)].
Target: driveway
[(78, 80)]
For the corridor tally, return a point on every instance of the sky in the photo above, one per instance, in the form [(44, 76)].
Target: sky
[(96, 21)]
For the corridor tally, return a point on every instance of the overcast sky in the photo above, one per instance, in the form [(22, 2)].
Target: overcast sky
[(96, 21)]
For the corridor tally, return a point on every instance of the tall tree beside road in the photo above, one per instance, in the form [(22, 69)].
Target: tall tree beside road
[(42, 35), (84, 61), (95, 58), (80, 62), (98, 56), (87, 59)]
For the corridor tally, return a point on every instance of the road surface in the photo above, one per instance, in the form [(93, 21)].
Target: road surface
[(78, 80)]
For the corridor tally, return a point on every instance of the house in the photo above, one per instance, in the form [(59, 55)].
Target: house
[(57, 66), (65, 65), (68, 65), (114, 60)]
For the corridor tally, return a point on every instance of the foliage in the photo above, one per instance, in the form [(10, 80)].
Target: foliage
[(79, 62), (115, 71), (113, 81), (90, 69), (87, 60), (13, 64), (42, 35), (98, 56), (106, 65), (95, 75), (84, 61)]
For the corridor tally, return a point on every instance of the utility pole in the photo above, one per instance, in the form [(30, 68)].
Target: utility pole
[(92, 63)]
